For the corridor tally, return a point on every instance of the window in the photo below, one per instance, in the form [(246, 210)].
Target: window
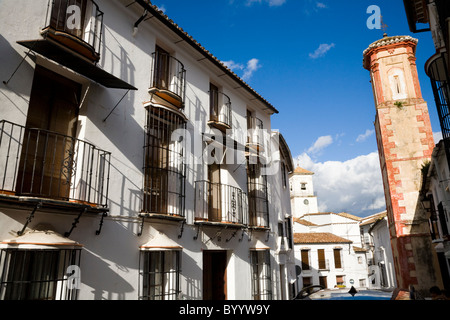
[(307, 281), (213, 102), (261, 279), (305, 259), (160, 272), (321, 258), (37, 274), (303, 186), (323, 281), (283, 175), (257, 196), (288, 226), (164, 167), (337, 258)]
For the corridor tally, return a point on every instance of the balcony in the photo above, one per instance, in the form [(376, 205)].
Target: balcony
[(168, 78), (220, 204), (36, 163), (255, 134), (77, 25), (220, 110)]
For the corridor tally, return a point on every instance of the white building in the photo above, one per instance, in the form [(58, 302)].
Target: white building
[(106, 108), (328, 248), (303, 197), (377, 243)]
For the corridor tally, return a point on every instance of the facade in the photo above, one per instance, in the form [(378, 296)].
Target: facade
[(405, 143), (434, 197), (133, 163), (303, 197), (435, 14), (328, 249), (377, 243)]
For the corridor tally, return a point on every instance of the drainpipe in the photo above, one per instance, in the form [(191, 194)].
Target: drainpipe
[(136, 24)]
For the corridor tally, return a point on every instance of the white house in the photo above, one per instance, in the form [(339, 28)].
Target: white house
[(131, 162), (377, 243), (327, 247)]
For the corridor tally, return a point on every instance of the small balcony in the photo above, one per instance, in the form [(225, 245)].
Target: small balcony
[(36, 163), (76, 25), (220, 204), (220, 110), (255, 134), (168, 78)]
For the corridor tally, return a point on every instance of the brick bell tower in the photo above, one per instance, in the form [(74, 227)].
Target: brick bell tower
[(405, 142)]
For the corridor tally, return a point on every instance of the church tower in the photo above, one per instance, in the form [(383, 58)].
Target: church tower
[(405, 143), (303, 198)]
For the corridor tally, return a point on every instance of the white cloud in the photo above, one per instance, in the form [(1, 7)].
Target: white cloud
[(354, 186), (271, 3), (252, 66), (320, 144), (364, 136), (233, 65), (321, 5), (437, 136), (321, 50)]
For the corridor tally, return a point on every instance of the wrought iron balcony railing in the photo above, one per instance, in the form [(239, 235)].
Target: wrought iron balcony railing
[(255, 135), (220, 203), (168, 78), (76, 24), (45, 164), (220, 110)]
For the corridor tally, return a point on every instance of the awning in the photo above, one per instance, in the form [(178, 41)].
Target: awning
[(42, 237), (258, 245), (160, 242), (55, 52)]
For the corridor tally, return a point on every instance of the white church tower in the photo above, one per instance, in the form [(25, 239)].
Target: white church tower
[(303, 199)]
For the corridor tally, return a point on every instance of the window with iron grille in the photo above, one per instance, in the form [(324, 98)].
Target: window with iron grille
[(160, 275), (257, 196), (164, 169), (261, 279), (34, 274)]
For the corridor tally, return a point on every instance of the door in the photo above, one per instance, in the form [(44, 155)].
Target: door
[(214, 275), (162, 68), (214, 198), (47, 158)]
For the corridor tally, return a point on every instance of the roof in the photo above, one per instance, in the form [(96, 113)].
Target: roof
[(286, 152), (300, 170), (304, 222), (385, 41), (358, 249), (373, 218), (154, 10), (318, 237), (342, 214)]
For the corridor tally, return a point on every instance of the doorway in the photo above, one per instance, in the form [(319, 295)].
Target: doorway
[(214, 275)]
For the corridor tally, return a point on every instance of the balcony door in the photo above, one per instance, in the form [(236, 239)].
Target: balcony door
[(162, 69), (65, 15), (214, 201), (47, 156)]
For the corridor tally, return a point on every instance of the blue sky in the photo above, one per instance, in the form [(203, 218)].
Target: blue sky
[(305, 57)]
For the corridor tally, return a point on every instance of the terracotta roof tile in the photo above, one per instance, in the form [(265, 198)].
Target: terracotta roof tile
[(318, 237), (302, 171), (304, 222)]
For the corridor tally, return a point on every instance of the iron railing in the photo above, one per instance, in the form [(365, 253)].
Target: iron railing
[(257, 196), (220, 109), (82, 19), (255, 135), (168, 74), (40, 163), (216, 202)]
